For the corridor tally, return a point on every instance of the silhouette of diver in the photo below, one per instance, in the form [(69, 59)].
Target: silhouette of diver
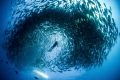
[(54, 45)]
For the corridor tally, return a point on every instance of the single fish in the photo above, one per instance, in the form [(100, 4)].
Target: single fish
[(113, 22), (6, 62), (119, 34), (35, 77), (16, 72), (99, 4), (104, 4), (11, 2), (1, 60), (96, 37)]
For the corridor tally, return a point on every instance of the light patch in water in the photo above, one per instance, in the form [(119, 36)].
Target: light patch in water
[(41, 74)]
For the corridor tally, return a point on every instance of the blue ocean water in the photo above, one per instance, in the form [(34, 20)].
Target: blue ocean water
[(110, 69)]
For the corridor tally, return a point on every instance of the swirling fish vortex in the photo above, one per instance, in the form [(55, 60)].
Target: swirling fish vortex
[(60, 35)]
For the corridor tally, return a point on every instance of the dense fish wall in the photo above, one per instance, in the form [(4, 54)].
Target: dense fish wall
[(60, 34)]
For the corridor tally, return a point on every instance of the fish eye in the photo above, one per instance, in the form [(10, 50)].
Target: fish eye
[(60, 35)]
